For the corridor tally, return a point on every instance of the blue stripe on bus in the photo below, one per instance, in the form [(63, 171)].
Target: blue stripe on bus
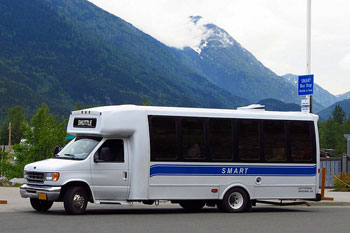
[(231, 170)]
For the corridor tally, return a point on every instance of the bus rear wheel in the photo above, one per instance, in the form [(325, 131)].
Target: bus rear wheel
[(40, 205), (235, 200), (192, 205)]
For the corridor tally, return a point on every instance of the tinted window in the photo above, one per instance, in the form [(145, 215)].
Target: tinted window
[(111, 151), (193, 140), (274, 141), (163, 138), (301, 143), (220, 138), (248, 140)]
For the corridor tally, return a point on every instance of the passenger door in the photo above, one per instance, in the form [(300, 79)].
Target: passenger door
[(109, 171)]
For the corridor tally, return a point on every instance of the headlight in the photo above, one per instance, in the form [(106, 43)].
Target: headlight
[(24, 174), (52, 176)]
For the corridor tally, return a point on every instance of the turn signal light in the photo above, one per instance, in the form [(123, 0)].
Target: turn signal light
[(55, 176), (214, 190)]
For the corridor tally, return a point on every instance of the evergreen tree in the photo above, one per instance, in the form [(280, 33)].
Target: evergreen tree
[(338, 114), (42, 134)]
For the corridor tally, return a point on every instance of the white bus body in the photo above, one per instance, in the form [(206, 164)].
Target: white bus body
[(147, 172)]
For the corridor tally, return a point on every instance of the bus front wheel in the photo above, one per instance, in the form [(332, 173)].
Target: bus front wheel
[(75, 200), (40, 205), (235, 200)]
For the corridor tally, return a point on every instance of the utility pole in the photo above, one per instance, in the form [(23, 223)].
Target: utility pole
[(308, 45), (9, 149)]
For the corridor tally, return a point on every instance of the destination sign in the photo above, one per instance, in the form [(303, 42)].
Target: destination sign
[(84, 123)]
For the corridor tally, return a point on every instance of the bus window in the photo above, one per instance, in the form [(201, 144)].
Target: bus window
[(220, 138), (274, 141), (112, 150), (248, 140), (163, 138), (301, 143), (193, 140)]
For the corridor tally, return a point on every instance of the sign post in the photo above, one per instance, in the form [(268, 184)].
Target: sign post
[(308, 45)]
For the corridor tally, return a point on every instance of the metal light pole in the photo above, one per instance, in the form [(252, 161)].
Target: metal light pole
[(308, 45)]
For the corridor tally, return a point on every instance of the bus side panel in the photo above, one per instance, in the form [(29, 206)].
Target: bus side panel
[(175, 187), (280, 187), (261, 181)]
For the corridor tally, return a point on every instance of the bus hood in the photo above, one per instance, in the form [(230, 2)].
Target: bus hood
[(54, 165)]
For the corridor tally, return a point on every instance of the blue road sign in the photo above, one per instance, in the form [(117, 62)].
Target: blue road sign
[(306, 84)]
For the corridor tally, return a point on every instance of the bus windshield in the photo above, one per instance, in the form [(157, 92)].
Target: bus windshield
[(79, 149)]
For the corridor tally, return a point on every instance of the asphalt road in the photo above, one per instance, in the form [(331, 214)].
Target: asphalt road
[(171, 218)]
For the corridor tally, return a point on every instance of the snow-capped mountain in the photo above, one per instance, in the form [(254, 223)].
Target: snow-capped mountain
[(222, 60), (213, 35)]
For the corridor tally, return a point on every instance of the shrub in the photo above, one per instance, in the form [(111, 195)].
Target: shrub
[(342, 182)]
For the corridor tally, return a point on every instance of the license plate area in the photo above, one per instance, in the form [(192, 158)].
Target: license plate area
[(42, 196)]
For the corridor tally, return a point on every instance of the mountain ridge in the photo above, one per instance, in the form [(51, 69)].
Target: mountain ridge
[(327, 112), (65, 52), (222, 60)]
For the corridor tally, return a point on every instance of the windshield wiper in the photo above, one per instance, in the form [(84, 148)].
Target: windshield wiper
[(69, 156)]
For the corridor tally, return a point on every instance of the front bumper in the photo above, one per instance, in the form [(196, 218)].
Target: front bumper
[(32, 191)]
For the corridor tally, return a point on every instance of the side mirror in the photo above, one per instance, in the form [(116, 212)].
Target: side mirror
[(97, 158), (106, 154)]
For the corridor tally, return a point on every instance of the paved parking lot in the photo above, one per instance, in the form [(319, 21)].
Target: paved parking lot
[(18, 216)]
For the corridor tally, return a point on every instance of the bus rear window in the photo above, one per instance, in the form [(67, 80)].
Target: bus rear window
[(301, 141)]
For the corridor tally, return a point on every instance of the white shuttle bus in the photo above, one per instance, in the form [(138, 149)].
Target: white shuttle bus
[(191, 156)]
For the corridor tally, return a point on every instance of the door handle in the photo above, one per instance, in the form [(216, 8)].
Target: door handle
[(125, 177)]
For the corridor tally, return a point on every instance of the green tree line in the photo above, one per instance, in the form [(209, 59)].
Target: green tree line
[(32, 140), (332, 131)]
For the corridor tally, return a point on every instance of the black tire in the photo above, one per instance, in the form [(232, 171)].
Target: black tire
[(192, 205), (235, 200), (75, 200), (40, 205)]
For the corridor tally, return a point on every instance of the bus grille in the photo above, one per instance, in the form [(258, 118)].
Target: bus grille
[(35, 177)]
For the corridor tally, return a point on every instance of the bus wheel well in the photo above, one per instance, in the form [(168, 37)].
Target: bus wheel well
[(238, 187), (73, 184)]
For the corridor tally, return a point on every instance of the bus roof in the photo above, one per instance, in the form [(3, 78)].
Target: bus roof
[(203, 112), (125, 120)]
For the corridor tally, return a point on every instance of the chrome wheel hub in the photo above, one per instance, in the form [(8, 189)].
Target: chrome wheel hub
[(235, 200), (78, 201)]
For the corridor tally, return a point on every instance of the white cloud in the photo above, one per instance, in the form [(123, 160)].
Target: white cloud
[(273, 30), (345, 62)]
